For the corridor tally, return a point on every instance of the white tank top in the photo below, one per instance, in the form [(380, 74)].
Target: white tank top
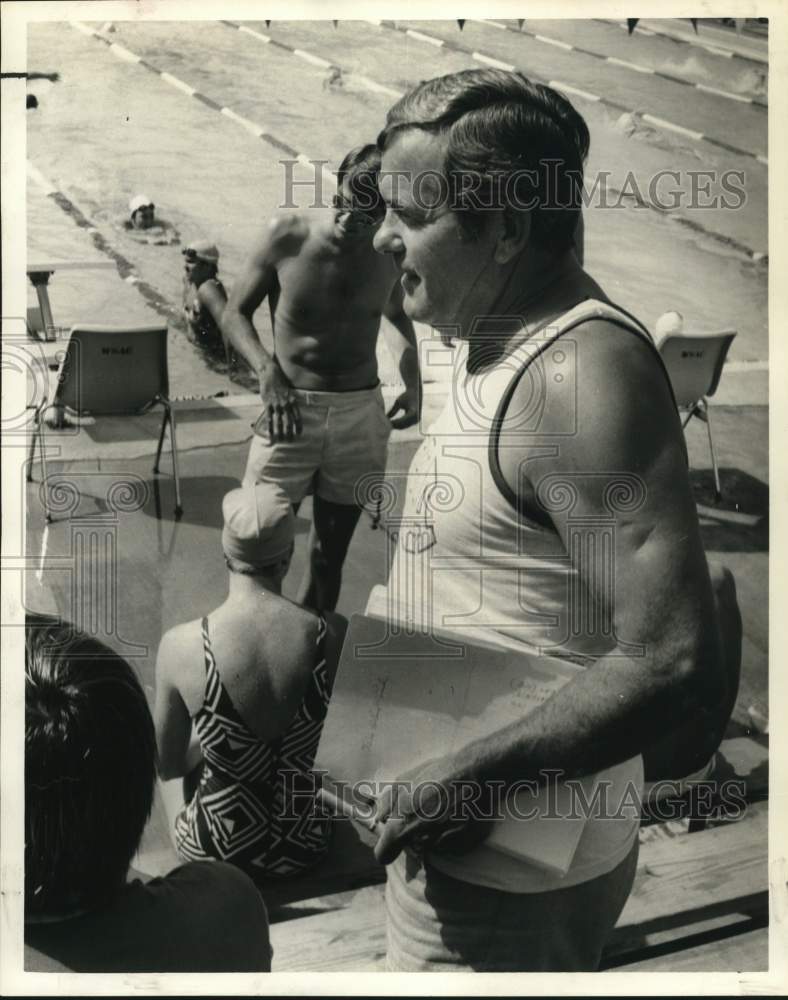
[(467, 559)]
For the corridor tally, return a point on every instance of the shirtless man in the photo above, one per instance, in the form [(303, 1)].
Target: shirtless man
[(324, 425)]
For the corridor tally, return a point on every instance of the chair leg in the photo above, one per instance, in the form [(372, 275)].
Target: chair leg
[(174, 443), (717, 488), (31, 456), (164, 420), (40, 424)]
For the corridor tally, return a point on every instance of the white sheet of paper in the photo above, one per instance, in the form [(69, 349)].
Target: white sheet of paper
[(403, 697)]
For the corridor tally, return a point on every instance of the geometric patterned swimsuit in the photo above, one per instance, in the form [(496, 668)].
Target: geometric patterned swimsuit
[(254, 806)]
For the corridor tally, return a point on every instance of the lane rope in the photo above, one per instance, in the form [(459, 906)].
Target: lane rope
[(681, 39), (259, 131), (310, 57), (625, 64), (452, 46)]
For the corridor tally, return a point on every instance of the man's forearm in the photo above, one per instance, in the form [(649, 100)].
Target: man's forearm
[(239, 330), (607, 714), (409, 368), (402, 343)]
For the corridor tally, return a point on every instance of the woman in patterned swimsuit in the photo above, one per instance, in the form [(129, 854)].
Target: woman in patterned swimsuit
[(241, 695)]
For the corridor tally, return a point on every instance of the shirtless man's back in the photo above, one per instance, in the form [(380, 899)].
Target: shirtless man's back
[(323, 425)]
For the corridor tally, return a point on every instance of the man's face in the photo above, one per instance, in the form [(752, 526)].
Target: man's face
[(447, 277), (143, 217), (350, 219)]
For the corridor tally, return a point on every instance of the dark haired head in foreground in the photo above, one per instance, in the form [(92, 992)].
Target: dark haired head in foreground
[(90, 769)]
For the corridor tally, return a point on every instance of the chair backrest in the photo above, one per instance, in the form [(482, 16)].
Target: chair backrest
[(694, 363), (113, 369)]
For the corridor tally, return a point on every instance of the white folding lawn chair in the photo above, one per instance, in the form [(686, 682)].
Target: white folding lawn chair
[(694, 363), (111, 371)]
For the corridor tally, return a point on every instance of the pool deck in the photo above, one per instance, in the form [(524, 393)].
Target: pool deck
[(167, 570)]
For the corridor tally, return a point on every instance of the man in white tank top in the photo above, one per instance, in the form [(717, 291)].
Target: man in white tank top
[(557, 512)]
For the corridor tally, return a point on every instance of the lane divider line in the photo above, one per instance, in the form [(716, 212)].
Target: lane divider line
[(695, 40), (178, 84), (566, 88), (623, 63), (35, 174), (554, 41), (613, 60), (724, 93), (490, 61), (437, 42), (250, 31), (310, 57), (315, 60), (378, 88), (729, 242), (250, 126), (586, 95), (256, 130), (123, 53), (671, 127)]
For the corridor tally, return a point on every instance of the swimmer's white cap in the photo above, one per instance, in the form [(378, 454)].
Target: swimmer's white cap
[(139, 201), (202, 250), (259, 524)]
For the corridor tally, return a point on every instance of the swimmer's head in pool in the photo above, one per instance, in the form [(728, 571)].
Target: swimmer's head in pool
[(200, 260), (142, 212)]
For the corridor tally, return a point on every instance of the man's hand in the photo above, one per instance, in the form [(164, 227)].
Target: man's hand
[(281, 416), (433, 810), (409, 402)]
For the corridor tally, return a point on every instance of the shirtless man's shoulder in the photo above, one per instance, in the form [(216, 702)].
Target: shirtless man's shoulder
[(285, 236)]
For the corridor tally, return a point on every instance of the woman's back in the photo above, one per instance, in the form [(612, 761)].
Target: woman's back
[(265, 649), (255, 678)]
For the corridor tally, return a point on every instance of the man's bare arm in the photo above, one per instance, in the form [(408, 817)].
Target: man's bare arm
[(665, 665), (401, 340), (283, 239)]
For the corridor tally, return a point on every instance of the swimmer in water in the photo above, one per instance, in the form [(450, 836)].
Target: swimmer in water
[(143, 225), (204, 297)]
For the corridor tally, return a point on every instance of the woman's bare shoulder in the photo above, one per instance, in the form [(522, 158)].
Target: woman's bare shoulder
[(288, 630)]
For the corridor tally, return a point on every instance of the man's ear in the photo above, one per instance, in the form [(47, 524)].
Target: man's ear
[(514, 234)]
